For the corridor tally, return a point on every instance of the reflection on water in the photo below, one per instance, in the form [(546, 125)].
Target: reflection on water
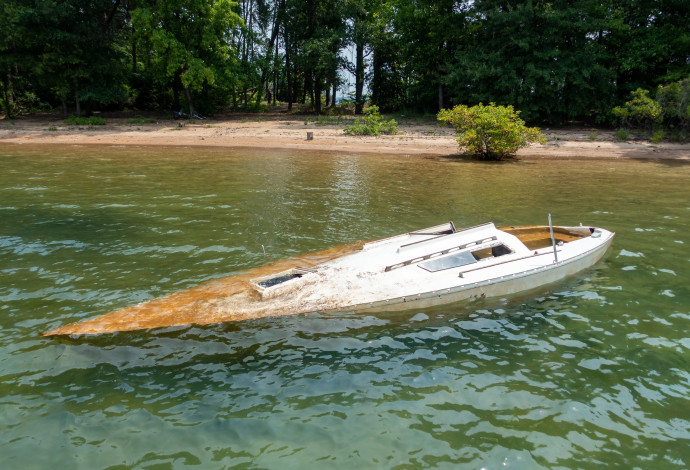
[(591, 373)]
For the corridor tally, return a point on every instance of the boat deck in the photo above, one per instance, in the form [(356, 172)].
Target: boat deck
[(535, 237)]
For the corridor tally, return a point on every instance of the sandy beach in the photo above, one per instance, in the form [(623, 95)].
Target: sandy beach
[(416, 136)]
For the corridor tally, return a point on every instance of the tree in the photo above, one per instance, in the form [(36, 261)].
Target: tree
[(430, 34), (190, 41), (648, 42), (542, 57), (361, 17), (555, 60), (490, 132), (9, 39), (674, 100), (316, 31), (66, 47)]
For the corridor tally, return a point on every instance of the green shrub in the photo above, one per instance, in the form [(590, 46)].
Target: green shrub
[(490, 132), (82, 121), (641, 112), (657, 136), (372, 124), (622, 134)]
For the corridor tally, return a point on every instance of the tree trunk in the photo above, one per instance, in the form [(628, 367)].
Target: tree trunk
[(63, 98), (7, 94), (77, 103), (440, 97), (317, 96), (328, 96), (333, 100), (288, 71), (188, 94), (308, 88), (359, 77), (134, 55), (177, 84), (376, 80), (275, 75)]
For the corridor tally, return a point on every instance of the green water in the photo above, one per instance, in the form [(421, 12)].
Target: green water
[(594, 372)]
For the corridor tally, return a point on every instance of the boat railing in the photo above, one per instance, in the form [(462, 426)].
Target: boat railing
[(511, 260), (435, 237), (417, 259)]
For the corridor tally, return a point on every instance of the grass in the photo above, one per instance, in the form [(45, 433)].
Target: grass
[(325, 120), (141, 120), (83, 121)]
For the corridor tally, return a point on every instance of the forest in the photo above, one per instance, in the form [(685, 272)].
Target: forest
[(556, 61)]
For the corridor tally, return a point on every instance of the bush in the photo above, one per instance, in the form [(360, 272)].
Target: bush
[(641, 112), (372, 124), (657, 137), (490, 132), (622, 135), (674, 100)]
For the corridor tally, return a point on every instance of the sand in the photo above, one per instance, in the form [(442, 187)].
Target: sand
[(289, 131)]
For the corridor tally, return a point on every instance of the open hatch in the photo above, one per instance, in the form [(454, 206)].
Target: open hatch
[(280, 283)]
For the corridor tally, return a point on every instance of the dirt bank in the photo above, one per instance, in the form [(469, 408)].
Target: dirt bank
[(416, 137)]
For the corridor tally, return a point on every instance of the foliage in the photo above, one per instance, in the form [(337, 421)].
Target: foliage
[(674, 100), (622, 134), (490, 132), (657, 136), (544, 58), (188, 42), (372, 124), (325, 120), (84, 121), (667, 113), (555, 61), (141, 120), (641, 112)]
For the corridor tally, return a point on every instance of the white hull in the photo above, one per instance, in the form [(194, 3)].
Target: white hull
[(494, 287)]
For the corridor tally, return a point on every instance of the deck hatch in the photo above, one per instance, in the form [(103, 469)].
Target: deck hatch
[(274, 281), (448, 262), (441, 252)]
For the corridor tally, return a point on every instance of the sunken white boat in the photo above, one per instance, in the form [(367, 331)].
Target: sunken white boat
[(439, 265), (428, 267)]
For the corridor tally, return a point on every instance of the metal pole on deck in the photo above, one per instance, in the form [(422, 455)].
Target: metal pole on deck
[(553, 240)]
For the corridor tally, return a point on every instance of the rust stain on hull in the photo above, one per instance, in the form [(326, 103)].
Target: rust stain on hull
[(210, 302)]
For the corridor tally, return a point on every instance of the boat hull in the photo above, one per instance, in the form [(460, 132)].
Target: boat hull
[(493, 287), (417, 270)]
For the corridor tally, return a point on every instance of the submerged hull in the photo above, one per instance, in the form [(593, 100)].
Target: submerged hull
[(421, 269)]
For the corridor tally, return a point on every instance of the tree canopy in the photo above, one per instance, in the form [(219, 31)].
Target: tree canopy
[(555, 61)]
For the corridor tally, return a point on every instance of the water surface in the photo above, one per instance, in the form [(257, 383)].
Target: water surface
[(592, 372)]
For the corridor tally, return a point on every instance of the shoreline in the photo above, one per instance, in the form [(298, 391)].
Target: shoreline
[(290, 132)]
